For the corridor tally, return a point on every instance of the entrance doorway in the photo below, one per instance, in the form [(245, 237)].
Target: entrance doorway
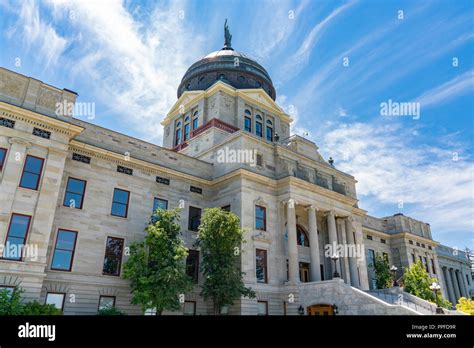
[(304, 272), (320, 309)]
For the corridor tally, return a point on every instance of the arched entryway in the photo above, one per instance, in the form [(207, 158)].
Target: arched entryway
[(320, 309)]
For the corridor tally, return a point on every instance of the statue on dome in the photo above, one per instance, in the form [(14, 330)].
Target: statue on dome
[(227, 36)]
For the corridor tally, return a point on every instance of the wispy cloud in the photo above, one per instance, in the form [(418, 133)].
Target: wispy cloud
[(458, 86), (390, 168), (37, 35)]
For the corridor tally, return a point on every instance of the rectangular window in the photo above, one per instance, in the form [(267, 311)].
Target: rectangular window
[(106, 302), (31, 172), (9, 290), (369, 237), (383, 241), (160, 203), (262, 308), (64, 250), (194, 219), (261, 265), (74, 195), (322, 271), (260, 218), (269, 134), (259, 129), (226, 208), (120, 203), (410, 242), (56, 299), (248, 124), (189, 308), (371, 258), (192, 265), (16, 236), (413, 258), (113, 256), (417, 244), (259, 160), (3, 156), (425, 263), (433, 266), (81, 158)]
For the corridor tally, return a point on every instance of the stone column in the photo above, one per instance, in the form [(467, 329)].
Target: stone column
[(463, 279), (352, 258), (361, 261), (442, 282), (460, 281), (345, 257), (332, 238), (455, 284), (293, 266), (314, 244), (449, 284)]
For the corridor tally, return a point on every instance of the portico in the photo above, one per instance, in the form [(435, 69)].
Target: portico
[(337, 233)]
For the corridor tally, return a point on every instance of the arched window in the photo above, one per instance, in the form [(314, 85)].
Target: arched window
[(302, 236), (259, 126), (177, 138), (195, 119), (247, 112), (187, 127)]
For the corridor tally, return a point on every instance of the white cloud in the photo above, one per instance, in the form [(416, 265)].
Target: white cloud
[(37, 35), (449, 90), (132, 66), (389, 168)]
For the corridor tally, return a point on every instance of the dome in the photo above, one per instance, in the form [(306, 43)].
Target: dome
[(229, 66)]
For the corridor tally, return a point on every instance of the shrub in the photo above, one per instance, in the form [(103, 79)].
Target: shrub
[(110, 311), (36, 308)]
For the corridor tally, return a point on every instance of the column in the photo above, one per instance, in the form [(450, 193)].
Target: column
[(442, 282), (361, 262), (460, 282), (332, 238), (314, 244), (449, 285), (352, 258), (463, 281), (345, 256), (293, 266), (455, 285)]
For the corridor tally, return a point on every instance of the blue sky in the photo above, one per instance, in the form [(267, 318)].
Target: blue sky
[(128, 58)]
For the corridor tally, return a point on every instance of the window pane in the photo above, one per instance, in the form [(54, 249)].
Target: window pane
[(66, 240), (62, 260), (19, 226), (119, 209), (29, 180), (194, 218), (113, 256), (33, 165), (192, 264), (106, 302), (262, 308), (55, 299), (258, 129), (3, 153), (195, 123), (189, 308), (73, 200), (261, 265), (120, 196), (160, 203), (75, 186)]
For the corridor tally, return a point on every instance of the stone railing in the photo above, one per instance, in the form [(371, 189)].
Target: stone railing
[(214, 123)]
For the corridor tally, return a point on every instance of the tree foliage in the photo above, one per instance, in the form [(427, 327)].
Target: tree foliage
[(383, 275), (465, 305), (110, 311), (11, 304), (417, 281), (220, 239), (156, 266)]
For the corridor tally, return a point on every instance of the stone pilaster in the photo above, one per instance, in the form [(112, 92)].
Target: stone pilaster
[(293, 266), (352, 259), (345, 257)]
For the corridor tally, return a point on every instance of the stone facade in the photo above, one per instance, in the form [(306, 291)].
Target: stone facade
[(308, 203)]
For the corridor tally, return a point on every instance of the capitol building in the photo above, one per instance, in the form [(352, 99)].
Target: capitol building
[(77, 195)]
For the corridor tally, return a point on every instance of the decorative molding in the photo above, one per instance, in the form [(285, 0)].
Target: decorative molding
[(19, 141), (262, 236)]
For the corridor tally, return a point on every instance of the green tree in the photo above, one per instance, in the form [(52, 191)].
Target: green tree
[(110, 311), (220, 240), (417, 281), (10, 302), (383, 275), (156, 266), (36, 308)]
